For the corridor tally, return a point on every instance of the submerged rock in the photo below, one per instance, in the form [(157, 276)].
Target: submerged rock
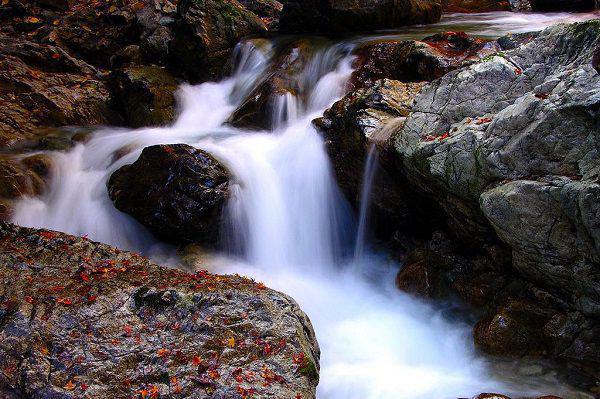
[(83, 319), (177, 191), (319, 16)]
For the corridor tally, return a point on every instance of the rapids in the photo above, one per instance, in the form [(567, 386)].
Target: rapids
[(288, 224)]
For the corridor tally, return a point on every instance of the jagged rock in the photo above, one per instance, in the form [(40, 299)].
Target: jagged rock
[(83, 319), (178, 192), (42, 86), (411, 60), (508, 147), (317, 16), (145, 94), (205, 33)]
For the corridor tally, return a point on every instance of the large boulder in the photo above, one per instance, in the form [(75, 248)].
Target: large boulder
[(83, 319), (144, 94), (206, 32), (267, 10), (507, 148), (178, 192), (319, 16)]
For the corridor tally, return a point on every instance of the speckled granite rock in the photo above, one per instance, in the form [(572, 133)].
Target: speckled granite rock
[(83, 319)]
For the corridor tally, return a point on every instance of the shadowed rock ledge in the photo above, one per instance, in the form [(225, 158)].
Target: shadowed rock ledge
[(83, 319)]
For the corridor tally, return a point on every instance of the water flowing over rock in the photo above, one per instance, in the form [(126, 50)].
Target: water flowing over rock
[(83, 319), (508, 146), (319, 16), (176, 191)]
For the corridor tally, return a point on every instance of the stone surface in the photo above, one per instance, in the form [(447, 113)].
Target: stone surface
[(178, 192), (411, 60), (361, 119), (83, 319), (206, 32), (21, 176), (318, 16), (144, 94), (474, 6), (268, 10), (42, 86), (507, 148)]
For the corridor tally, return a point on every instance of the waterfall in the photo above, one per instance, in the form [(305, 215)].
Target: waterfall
[(287, 224), (365, 201)]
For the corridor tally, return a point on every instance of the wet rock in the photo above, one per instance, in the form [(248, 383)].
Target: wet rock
[(318, 16), (411, 60), (475, 6), (206, 32), (83, 319), (42, 86), (145, 94), (21, 176), (259, 109), (268, 10), (363, 118), (507, 149), (178, 192)]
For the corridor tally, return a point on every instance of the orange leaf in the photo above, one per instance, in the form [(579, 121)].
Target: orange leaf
[(70, 386)]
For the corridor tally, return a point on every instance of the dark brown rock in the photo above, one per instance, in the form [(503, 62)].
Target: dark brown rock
[(21, 176), (206, 32), (318, 16), (42, 86), (475, 6), (83, 319), (268, 10), (423, 60), (178, 192), (145, 95)]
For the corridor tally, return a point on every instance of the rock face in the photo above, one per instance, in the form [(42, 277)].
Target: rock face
[(83, 319), (507, 148), (205, 33), (178, 192), (316, 16), (42, 86), (145, 94)]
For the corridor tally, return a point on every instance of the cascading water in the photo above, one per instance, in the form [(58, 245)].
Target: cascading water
[(288, 225)]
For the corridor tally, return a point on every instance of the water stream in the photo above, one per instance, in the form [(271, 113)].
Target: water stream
[(288, 225)]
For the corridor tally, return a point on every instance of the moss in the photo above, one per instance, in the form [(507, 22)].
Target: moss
[(309, 369)]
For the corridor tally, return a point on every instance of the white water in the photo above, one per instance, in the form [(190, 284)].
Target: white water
[(292, 229)]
